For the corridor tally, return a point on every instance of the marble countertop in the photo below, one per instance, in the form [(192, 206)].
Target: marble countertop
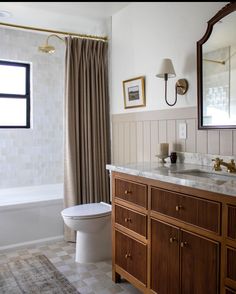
[(184, 174)]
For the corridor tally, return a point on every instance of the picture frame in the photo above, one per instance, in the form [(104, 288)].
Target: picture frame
[(134, 92)]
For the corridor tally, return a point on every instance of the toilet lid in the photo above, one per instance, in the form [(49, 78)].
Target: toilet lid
[(89, 210)]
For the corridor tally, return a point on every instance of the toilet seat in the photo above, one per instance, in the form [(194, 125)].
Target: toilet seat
[(87, 211)]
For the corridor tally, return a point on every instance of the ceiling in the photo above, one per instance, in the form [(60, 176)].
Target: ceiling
[(87, 9), (84, 17)]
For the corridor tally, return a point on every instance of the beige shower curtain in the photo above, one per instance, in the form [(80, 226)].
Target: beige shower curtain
[(87, 140)]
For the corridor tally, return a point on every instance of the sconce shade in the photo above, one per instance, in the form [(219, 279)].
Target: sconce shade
[(167, 71), (166, 68)]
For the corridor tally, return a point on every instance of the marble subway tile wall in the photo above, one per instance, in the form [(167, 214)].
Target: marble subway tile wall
[(35, 156), (135, 135)]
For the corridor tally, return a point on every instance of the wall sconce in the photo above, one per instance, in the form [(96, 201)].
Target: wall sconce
[(167, 71)]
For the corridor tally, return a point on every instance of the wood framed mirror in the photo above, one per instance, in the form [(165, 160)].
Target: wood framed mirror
[(216, 71)]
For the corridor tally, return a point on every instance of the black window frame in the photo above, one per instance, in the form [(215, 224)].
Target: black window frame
[(18, 96)]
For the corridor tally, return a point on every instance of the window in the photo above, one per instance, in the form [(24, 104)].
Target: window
[(14, 94)]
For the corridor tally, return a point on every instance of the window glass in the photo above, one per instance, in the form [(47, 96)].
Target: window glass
[(12, 112), (12, 79), (14, 94)]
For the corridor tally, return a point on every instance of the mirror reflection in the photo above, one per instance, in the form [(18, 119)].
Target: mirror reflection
[(217, 71), (219, 74)]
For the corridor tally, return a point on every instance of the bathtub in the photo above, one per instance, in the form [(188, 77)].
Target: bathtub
[(30, 215)]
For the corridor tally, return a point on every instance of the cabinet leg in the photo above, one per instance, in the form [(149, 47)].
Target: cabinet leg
[(115, 277)]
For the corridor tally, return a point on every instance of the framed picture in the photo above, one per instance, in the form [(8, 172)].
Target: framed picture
[(134, 92)]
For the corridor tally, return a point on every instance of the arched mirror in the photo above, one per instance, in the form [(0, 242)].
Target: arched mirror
[(216, 70)]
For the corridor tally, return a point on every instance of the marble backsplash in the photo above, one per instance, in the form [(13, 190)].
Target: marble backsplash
[(200, 158)]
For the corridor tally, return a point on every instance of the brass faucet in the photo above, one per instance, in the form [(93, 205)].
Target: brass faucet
[(231, 167)]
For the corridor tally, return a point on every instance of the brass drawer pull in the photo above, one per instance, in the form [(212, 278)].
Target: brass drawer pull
[(127, 220), (127, 255), (184, 244), (128, 192), (178, 207), (173, 239)]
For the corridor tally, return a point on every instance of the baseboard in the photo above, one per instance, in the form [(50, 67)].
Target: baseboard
[(34, 242)]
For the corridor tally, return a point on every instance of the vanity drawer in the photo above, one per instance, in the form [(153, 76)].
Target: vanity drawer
[(134, 221), (200, 212), (231, 222), (132, 192)]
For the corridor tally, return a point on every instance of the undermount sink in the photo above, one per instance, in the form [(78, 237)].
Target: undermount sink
[(215, 178)]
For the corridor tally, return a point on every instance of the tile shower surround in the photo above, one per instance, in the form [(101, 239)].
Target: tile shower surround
[(135, 137), (35, 156)]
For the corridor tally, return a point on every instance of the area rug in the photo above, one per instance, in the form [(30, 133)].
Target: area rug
[(33, 275)]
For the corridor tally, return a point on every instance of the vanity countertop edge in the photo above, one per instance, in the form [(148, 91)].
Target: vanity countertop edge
[(168, 173)]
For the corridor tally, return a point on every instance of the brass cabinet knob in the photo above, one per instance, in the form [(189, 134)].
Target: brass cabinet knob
[(183, 244), (127, 255), (128, 192), (127, 219), (172, 239), (178, 207)]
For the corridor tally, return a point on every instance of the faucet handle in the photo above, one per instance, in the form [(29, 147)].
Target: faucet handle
[(217, 160), (217, 163), (232, 162), (232, 166)]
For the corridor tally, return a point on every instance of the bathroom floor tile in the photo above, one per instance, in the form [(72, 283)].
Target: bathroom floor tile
[(92, 278)]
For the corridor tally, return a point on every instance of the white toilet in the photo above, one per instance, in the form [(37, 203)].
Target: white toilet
[(93, 225)]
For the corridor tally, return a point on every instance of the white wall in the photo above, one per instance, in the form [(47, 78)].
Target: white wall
[(145, 32)]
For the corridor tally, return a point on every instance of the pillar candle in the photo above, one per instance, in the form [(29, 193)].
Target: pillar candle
[(172, 147), (163, 149)]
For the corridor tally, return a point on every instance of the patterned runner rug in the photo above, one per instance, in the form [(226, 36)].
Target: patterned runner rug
[(33, 275)]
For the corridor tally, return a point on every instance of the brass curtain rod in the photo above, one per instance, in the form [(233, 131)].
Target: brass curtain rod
[(219, 61), (215, 61), (104, 39)]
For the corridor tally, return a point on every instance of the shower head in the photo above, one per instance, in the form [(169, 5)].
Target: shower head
[(46, 48)]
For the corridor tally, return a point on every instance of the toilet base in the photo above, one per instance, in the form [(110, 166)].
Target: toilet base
[(93, 247)]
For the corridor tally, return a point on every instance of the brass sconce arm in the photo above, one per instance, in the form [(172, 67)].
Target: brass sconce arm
[(181, 87)]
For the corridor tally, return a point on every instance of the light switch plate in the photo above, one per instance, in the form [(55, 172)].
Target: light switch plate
[(182, 131)]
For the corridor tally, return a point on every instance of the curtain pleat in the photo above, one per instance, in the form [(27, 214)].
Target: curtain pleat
[(87, 127)]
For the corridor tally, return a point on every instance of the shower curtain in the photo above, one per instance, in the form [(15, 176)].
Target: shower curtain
[(87, 133)]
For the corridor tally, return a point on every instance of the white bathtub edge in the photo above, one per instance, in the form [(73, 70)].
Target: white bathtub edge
[(27, 205), (24, 244)]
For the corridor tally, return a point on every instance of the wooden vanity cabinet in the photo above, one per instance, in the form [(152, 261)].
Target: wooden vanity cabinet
[(186, 259), (129, 210), (171, 239)]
